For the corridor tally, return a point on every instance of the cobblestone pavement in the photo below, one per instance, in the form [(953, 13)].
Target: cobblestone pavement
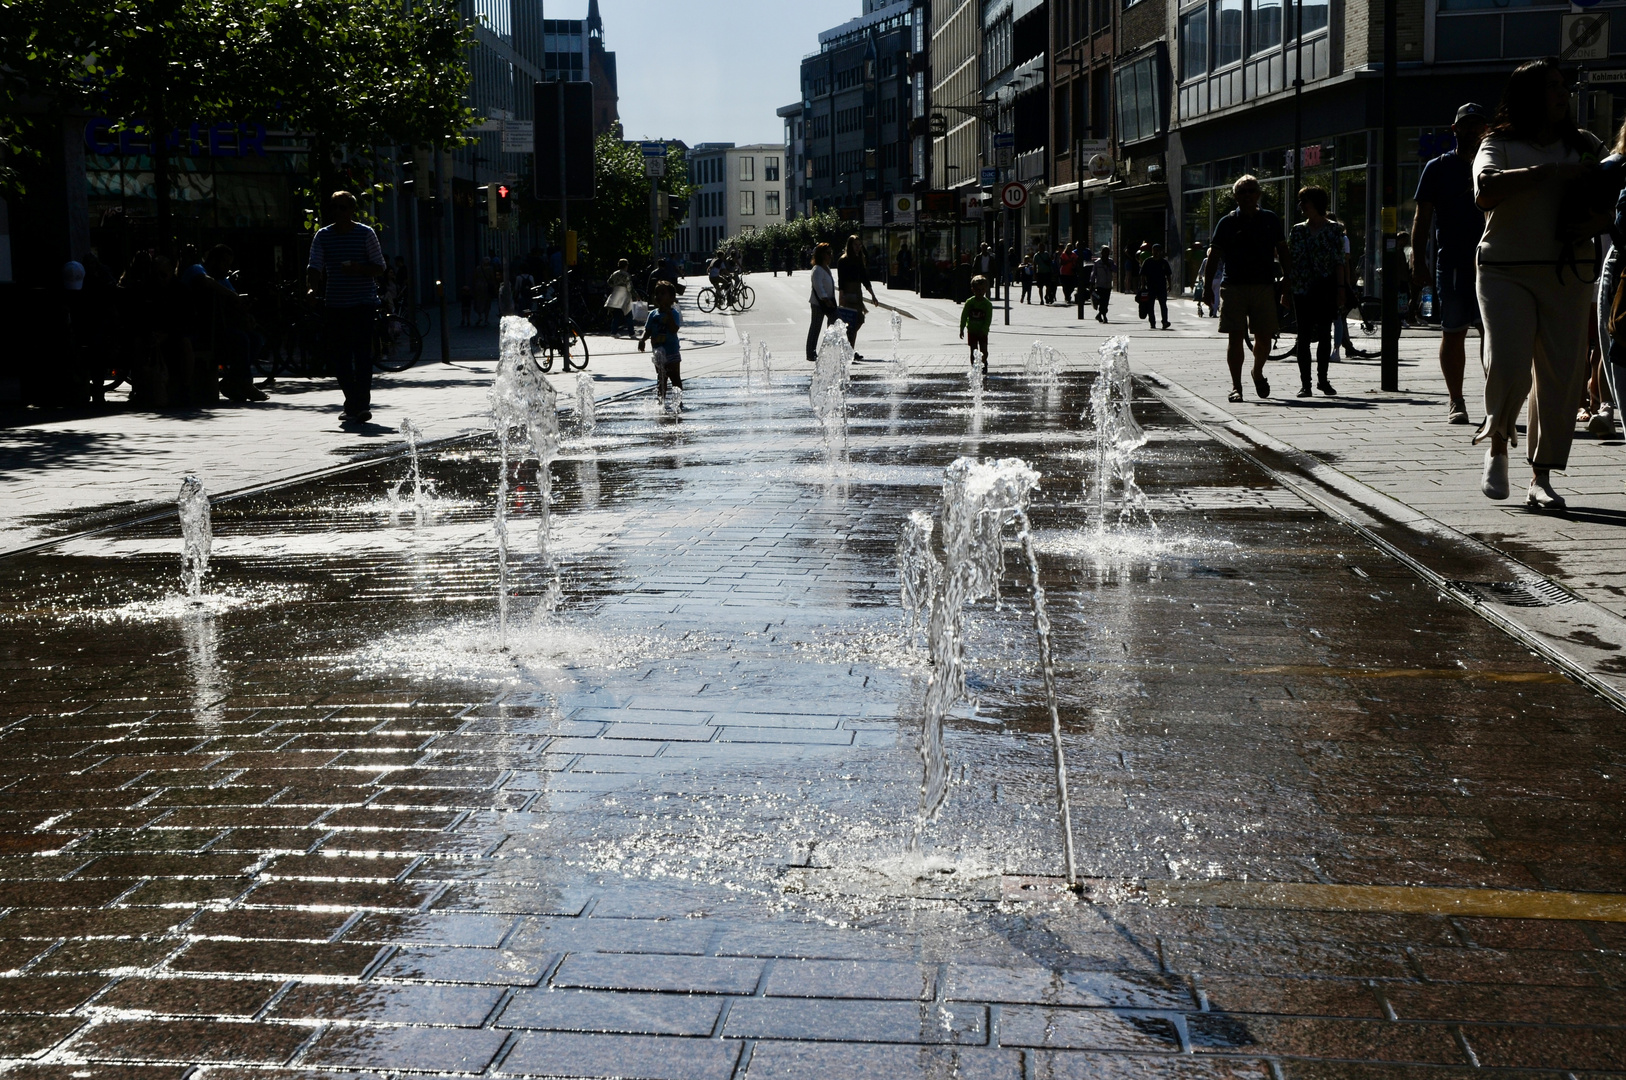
[(322, 826)]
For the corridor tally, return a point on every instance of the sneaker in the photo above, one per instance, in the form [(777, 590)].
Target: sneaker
[(1304, 391), (1493, 482), (1326, 387), (1601, 425), (1458, 412), (1541, 495)]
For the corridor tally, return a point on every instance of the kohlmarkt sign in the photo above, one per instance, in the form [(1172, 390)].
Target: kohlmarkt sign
[(1615, 75), (1585, 36)]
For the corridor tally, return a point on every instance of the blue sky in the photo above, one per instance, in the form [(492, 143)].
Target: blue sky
[(709, 70)]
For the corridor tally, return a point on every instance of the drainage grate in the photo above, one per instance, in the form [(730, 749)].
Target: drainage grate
[(1531, 592)]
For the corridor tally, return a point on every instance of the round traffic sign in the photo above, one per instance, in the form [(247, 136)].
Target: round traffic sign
[(1013, 196)]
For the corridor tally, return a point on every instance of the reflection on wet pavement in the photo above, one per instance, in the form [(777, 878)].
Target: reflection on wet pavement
[(324, 822)]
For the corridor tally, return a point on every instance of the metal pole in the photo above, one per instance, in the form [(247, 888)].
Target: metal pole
[(440, 263), (1005, 258), (654, 221), (1389, 365), (1298, 106), (564, 213)]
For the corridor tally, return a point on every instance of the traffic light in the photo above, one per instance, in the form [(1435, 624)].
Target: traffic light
[(505, 204), (677, 208)]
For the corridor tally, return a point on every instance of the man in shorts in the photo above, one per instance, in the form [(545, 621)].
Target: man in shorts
[(1248, 242), (1447, 214)]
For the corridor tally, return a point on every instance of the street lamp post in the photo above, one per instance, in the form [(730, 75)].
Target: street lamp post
[(1298, 104), (1389, 365)]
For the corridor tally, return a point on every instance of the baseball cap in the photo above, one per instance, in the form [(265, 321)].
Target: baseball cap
[(1471, 111)]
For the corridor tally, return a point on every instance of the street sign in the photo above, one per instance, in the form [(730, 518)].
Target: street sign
[(872, 212), (1013, 196), (903, 210), (653, 149), (518, 137), (1585, 36), (1004, 148), (1615, 75), (654, 166), (989, 177)]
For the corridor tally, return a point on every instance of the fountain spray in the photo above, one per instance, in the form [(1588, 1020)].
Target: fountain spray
[(979, 499), (197, 534), (586, 407), (765, 359), (522, 400), (897, 334), (828, 390), (1117, 436), (918, 571)]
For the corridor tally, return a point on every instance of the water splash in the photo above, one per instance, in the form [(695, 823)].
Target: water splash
[(979, 499), (197, 534), (1117, 436), (918, 571), (1042, 364), (423, 491), (974, 382), (586, 407), (896, 322), (828, 391), (522, 401), (765, 360)]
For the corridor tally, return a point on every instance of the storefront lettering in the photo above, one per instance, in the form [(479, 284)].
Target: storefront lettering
[(200, 140)]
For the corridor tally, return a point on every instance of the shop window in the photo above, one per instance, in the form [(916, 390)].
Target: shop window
[(1194, 44), (1315, 17)]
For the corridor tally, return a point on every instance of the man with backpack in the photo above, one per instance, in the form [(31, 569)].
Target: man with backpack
[(1448, 215)]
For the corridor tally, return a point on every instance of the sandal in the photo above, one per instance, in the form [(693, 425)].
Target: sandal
[(1236, 397)]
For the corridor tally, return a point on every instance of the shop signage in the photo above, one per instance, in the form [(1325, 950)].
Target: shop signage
[(872, 212), (903, 210), (1097, 157), (971, 204), (989, 177), (937, 204), (239, 139)]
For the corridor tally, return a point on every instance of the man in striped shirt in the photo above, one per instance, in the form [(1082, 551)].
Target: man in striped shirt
[(345, 263)]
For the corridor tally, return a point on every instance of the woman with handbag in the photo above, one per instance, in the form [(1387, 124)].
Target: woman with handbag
[(1534, 303), (823, 299)]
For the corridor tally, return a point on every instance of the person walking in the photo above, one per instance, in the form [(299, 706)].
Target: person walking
[(345, 263), (1067, 271), (823, 299), (1534, 304), (1044, 268), (976, 318), (1446, 214), (1155, 274), (906, 267), (1025, 274), (1317, 246), (1245, 246), (852, 278), (1103, 272)]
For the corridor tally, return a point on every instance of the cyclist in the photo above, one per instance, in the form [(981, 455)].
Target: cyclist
[(346, 261)]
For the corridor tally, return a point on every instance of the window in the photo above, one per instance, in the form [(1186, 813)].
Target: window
[(1315, 17), (1063, 131), (770, 203), (770, 168), (849, 119), (1140, 115), (889, 110), (996, 49), (748, 168), (1194, 44), (1227, 32), (1265, 26), (820, 167), (819, 127), (748, 203)]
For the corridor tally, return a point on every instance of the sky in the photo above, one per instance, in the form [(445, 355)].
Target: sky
[(709, 70)]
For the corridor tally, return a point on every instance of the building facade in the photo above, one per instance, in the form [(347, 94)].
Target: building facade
[(737, 189), (795, 161)]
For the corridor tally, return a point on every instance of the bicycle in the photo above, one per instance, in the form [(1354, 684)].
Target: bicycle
[(557, 335), (729, 294), (297, 349)]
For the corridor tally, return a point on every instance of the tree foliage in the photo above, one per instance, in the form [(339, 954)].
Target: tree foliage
[(759, 249)]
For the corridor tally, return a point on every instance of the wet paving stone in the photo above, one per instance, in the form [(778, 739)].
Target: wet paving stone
[(327, 829)]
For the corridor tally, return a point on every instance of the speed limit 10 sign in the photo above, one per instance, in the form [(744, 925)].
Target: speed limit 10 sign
[(1013, 196)]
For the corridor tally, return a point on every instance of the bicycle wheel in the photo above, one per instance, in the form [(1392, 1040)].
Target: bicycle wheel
[(747, 296), (399, 344), (541, 355), (706, 299), (575, 349)]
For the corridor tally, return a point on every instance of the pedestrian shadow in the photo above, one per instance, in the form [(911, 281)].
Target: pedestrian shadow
[(1592, 515), (1326, 403), (367, 429)]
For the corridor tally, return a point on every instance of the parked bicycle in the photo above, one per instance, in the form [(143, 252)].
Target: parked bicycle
[(557, 336), (294, 344)]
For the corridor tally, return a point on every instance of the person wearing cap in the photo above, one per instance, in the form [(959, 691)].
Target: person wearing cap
[(1446, 213)]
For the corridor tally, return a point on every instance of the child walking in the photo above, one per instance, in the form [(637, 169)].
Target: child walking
[(661, 334), (975, 318)]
